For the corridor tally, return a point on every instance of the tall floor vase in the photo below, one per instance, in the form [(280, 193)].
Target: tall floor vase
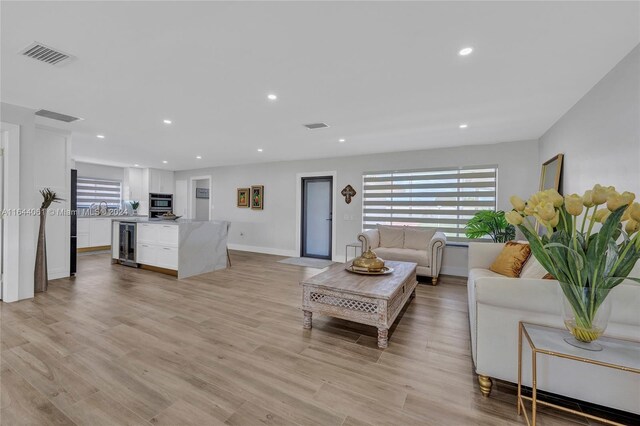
[(41, 278)]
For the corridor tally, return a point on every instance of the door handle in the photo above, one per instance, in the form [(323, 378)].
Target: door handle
[(126, 244)]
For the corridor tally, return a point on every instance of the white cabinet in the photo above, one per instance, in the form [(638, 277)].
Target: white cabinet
[(167, 257), (83, 233), (83, 226), (155, 255), (154, 181), (83, 241), (161, 181), (99, 231), (138, 183), (145, 253), (167, 235), (157, 234), (94, 232), (146, 233), (115, 240), (133, 189), (157, 245), (135, 183)]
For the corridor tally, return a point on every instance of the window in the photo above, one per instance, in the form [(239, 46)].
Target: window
[(95, 190), (437, 198)]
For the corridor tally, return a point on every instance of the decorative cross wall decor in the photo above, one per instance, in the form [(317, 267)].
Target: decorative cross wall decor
[(347, 193)]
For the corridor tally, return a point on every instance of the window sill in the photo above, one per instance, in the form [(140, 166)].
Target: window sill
[(457, 245), (466, 244)]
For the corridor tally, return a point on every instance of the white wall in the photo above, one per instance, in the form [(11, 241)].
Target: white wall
[(28, 225), (600, 135), (10, 161), (181, 199), (273, 230), (44, 161), (51, 170)]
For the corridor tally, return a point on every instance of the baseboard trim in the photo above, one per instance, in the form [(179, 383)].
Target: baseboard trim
[(56, 275), (95, 248), (263, 250), (275, 252), (165, 271)]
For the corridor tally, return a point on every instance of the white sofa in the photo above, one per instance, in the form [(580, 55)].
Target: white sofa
[(423, 246), (497, 304)]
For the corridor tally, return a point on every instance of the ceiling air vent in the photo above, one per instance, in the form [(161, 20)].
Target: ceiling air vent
[(314, 126), (57, 116), (48, 55)]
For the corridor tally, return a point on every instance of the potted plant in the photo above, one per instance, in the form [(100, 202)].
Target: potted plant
[(40, 274), (134, 206), (491, 223), (587, 263)]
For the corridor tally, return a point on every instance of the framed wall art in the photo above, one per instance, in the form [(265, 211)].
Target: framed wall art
[(551, 174), (257, 197), (243, 197), (202, 193)]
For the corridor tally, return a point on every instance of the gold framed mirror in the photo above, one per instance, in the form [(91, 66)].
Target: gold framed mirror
[(551, 174)]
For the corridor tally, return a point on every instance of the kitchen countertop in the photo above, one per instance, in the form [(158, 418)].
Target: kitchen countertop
[(145, 219), (110, 216)]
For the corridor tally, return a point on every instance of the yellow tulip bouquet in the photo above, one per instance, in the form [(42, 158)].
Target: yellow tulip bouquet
[(587, 263)]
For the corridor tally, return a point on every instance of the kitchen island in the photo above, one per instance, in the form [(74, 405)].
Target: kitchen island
[(182, 248)]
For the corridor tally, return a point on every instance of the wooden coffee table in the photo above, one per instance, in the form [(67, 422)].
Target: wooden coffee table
[(366, 299)]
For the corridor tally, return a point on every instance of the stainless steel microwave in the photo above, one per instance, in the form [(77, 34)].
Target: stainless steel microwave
[(161, 201)]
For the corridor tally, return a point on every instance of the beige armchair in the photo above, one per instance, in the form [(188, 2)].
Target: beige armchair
[(423, 246)]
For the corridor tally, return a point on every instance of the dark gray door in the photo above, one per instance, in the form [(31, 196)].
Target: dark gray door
[(317, 205)]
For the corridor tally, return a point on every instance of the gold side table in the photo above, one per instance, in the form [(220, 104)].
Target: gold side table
[(617, 354)]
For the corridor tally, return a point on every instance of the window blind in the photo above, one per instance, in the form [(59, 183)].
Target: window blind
[(443, 198), (95, 190)]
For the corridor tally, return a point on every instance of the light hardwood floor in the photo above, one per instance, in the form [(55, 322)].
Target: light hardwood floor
[(118, 345)]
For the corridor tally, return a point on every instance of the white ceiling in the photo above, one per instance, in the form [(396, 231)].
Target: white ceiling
[(385, 76)]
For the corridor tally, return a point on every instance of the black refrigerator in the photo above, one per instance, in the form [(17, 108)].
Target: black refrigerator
[(73, 201)]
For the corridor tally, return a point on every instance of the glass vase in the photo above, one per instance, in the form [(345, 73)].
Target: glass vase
[(585, 313)]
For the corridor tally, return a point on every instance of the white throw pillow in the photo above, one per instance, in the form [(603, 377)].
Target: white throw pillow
[(391, 236), (533, 269), (417, 238)]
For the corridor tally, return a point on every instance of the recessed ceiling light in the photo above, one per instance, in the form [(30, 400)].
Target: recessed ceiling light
[(136, 165), (167, 121), (463, 126), (341, 140), (259, 149), (198, 157), (272, 97), (100, 136), (466, 51), (165, 161)]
